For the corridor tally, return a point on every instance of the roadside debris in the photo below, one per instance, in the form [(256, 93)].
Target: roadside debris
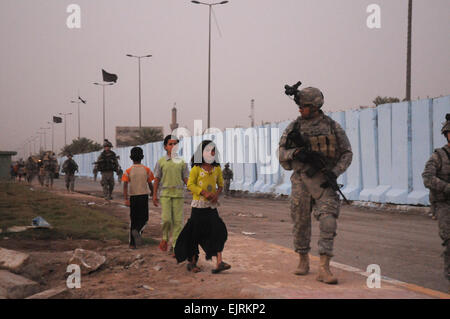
[(40, 222), (88, 260), (248, 233)]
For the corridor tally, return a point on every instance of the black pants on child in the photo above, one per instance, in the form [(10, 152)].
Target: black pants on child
[(204, 228), (138, 214)]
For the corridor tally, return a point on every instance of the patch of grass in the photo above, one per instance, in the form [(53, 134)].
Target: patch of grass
[(19, 205)]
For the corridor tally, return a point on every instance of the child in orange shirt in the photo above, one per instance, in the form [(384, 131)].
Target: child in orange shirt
[(139, 178)]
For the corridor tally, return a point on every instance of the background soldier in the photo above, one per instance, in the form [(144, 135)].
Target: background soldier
[(312, 191), (21, 169), (31, 169), (227, 177), (107, 164), (69, 168), (50, 168), (41, 174), (436, 177)]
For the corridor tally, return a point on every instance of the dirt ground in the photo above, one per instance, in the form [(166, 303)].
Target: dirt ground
[(259, 248), (145, 272)]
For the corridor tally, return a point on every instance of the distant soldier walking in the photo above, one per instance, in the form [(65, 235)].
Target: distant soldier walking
[(50, 168), (31, 169), (312, 189), (227, 177), (69, 168), (436, 177), (107, 164)]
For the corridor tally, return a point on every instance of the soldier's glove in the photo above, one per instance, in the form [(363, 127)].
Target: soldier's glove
[(331, 179), (300, 155)]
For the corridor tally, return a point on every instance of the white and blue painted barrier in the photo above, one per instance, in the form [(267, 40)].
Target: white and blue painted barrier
[(390, 144)]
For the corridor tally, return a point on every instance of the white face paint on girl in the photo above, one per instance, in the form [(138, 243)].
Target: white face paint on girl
[(209, 154)]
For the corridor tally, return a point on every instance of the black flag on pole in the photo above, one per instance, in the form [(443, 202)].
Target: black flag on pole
[(109, 77), (83, 101), (57, 119)]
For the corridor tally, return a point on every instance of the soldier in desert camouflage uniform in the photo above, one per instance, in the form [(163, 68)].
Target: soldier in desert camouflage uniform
[(107, 164), (436, 177), (227, 177), (312, 194)]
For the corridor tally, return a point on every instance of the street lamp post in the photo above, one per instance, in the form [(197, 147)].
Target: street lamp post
[(53, 134), (139, 74), (45, 136), (209, 55), (79, 126), (103, 85), (65, 129), (40, 140)]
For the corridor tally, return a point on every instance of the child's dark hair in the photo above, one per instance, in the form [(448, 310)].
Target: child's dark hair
[(136, 154), (170, 137), (197, 159)]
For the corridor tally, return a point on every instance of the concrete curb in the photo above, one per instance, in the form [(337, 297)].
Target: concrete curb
[(395, 282)]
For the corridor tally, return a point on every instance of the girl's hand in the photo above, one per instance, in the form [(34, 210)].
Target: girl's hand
[(207, 195), (155, 201), (215, 198)]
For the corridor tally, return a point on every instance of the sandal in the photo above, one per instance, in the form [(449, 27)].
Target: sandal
[(222, 266), (193, 268), (163, 245)]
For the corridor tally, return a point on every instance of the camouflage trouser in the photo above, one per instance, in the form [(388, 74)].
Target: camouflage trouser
[(443, 216), (49, 178), (325, 208), (70, 182), (226, 185), (107, 183)]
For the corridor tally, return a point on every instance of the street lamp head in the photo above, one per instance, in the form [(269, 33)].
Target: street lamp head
[(196, 2), (96, 83), (129, 55), (223, 2), (148, 56)]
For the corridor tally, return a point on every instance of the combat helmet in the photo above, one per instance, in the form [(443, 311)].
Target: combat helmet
[(446, 126), (311, 96), (107, 143)]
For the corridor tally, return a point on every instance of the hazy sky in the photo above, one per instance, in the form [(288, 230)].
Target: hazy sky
[(262, 45)]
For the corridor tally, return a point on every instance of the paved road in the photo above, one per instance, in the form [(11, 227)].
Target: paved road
[(405, 245)]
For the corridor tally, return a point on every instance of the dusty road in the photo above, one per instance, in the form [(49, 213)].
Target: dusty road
[(406, 246)]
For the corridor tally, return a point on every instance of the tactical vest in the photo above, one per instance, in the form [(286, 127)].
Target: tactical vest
[(107, 162), (70, 167), (321, 137)]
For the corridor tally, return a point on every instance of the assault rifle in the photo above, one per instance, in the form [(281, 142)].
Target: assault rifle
[(315, 160)]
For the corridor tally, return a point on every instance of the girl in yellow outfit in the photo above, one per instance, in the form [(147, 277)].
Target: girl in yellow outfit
[(204, 227)]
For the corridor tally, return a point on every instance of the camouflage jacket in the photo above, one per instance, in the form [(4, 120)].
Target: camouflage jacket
[(227, 174), (107, 161), (436, 175), (69, 167), (316, 129)]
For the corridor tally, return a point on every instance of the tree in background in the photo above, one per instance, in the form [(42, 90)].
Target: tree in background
[(384, 100), (79, 146), (147, 135)]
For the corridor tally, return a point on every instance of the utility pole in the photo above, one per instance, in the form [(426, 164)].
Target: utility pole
[(408, 54), (252, 113)]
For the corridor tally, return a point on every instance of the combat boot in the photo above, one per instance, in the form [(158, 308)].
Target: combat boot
[(325, 274), (303, 265)]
